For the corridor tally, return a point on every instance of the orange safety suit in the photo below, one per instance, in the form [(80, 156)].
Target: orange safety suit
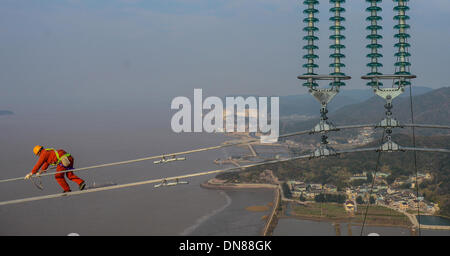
[(48, 157)]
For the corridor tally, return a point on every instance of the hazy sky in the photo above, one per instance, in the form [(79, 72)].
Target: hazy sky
[(127, 51)]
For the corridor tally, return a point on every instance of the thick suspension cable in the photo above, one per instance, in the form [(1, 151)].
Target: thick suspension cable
[(17, 201), (170, 178), (308, 156), (337, 128), (126, 162), (160, 156)]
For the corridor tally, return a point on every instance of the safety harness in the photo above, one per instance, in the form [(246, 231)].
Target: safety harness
[(63, 160)]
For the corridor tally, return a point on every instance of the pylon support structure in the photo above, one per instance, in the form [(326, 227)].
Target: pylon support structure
[(388, 94)]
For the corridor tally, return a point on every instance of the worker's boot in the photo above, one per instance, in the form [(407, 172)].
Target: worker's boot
[(82, 186)]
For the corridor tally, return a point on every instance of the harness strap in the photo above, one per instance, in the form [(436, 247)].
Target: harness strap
[(57, 155)]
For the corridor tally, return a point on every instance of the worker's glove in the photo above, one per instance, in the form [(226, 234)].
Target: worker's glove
[(28, 176)]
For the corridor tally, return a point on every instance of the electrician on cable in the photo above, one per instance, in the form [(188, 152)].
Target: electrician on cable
[(63, 162)]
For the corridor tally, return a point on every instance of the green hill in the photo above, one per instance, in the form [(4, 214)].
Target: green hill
[(305, 104), (430, 108)]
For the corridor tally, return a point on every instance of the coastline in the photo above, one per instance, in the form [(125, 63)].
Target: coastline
[(280, 205), (272, 220), (409, 222), (215, 183)]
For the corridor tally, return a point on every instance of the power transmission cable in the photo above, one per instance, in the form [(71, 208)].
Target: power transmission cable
[(308, 156), (220, 147), (149, 181), (373, 183)]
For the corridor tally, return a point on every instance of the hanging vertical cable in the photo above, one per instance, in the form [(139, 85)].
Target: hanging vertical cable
[(337, 37), (374, 46), (310, 20), (372, 186)]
